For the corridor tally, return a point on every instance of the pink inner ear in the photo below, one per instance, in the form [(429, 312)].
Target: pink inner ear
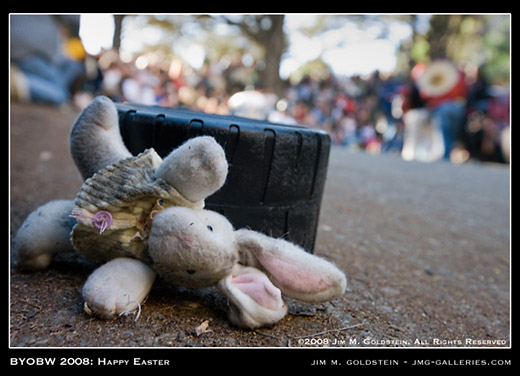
[(294, 276), (260, 289)]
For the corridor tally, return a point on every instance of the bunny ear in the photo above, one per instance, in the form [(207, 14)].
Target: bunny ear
[(299, 274), (254, 300)]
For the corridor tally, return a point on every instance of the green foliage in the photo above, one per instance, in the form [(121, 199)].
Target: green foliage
[(474, 40), (477, 40), (315, 69)]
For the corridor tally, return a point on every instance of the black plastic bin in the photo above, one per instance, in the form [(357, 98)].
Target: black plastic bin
[(276, 172)]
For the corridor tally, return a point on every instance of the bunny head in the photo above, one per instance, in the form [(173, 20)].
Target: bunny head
[(199, 248), (192, 248)]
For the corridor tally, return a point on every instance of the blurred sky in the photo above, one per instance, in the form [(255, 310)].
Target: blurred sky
[(96, 32), (348, 50)]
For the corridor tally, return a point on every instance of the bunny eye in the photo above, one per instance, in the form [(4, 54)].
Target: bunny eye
[(210, 228)]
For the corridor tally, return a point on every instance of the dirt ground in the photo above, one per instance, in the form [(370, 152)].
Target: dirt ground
[(426, 250)]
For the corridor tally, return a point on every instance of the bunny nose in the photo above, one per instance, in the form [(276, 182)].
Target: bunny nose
[(185, 241)]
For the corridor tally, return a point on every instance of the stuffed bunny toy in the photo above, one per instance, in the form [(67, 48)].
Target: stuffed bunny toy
[(149, 221)]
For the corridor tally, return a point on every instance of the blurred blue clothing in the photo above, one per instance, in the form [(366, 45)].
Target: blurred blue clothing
[(449, 117), (49, 83), (36, 50)]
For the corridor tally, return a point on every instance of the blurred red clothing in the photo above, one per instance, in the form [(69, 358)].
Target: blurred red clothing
[(458, 92)]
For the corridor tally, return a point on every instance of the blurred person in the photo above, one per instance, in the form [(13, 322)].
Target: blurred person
[(488, 117), (479, 92), (36, 49), (251, 104), (389, 121), (478, 100), (19, 86), (346, 131), (393, 138), (343, 105), (112, 79), (443, 88), (505, 136), (422, 139), (369, 140), (281, 113), (496, 123), (140, 88), (305, 91)]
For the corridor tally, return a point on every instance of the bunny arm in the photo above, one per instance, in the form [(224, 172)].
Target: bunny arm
[(44, 232), (253, 300), (117, 287), (298, 274)]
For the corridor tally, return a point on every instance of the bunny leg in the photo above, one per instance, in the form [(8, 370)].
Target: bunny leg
[(117, 287), (44, 232), (197, 168), (253, 300), (95, 140)]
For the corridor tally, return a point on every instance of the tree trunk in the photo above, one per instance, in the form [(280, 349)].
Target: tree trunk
[(118, 22), (274, 44)]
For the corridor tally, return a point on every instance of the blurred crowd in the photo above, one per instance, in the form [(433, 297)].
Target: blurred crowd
[(400, 114), (436, 112)]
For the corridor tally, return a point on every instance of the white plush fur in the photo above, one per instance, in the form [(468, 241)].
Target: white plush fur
[(44, 232), (95, 140), (119, 286), (197, 169), (193, 248)]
